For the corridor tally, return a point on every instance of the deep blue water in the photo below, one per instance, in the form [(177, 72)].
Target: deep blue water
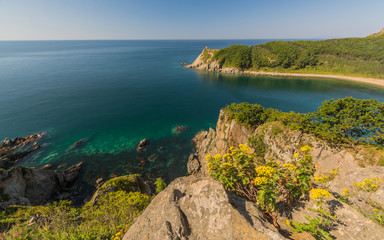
[(115, 93)]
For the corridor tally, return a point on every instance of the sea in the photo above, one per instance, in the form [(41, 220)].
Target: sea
[(109, 95)]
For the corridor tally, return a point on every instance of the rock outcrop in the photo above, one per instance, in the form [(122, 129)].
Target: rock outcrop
[(12, 151), (280, 143), (35, 186), (127, 183), (200, 208)]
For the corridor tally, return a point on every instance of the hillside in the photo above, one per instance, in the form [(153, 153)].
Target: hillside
[(359, 57), (249, 144)]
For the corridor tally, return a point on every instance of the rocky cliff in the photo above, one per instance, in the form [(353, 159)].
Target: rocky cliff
[(198, 207)]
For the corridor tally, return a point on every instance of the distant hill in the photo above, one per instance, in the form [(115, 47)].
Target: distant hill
[(363, 57)]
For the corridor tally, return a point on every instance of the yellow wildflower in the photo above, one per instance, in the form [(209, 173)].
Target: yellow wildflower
[(260, 181), (290, 166), (319, 194), (296, 155), (244, 148), (306, 148), (217, 156), (227, 164), (265, 171), (287, 222), (208, 157)]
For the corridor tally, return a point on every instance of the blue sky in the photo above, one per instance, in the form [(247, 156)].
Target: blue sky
[(187, 19)]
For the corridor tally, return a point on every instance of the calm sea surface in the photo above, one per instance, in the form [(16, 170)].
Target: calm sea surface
[(112, 94)]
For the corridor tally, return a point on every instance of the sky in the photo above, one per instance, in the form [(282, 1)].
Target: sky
[(188, 19)]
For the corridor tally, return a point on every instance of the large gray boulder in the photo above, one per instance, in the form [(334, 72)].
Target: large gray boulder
[(34, 186), (200, 208)]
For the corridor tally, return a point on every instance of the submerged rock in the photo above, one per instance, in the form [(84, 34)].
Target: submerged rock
[(78, 144), (179, 129), (153, 157)]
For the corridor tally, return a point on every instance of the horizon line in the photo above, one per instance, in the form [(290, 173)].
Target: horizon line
[(174, 39)]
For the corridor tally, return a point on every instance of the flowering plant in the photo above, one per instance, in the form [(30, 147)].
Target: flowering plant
[(265, 182)]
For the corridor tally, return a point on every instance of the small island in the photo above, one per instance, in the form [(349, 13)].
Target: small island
[(355, 59)]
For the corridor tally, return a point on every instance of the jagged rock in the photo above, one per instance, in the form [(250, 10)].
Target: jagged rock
[(351, 223), (142, 145), (12, 151), (127, 183), (67, 176), (281, 143), (6, 143), (193, 165), (33, 186), (200, 208)]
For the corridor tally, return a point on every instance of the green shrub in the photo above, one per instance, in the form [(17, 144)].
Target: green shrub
[(115, 212), (344, 120), (160, 185), (257, 143)]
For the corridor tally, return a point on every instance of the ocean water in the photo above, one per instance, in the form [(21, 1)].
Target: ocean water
[(112, 94)]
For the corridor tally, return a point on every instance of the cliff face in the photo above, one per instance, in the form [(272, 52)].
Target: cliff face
[(198, 207), (205, 63)]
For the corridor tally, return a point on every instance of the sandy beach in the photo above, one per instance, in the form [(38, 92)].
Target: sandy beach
[(371, 81)]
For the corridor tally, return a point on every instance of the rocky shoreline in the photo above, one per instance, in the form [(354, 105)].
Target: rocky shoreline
[(32, 185), (198, 206), (213, 66)]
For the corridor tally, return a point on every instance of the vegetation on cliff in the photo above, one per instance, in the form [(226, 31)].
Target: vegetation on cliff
[(107, 218), (346, 120), (347, 56)]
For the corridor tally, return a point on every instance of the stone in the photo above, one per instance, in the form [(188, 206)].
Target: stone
[(13, 151), (67, 176), (193, 165), (200, 208), (127, 183), (142, 145), (6, 143), (34, 186)]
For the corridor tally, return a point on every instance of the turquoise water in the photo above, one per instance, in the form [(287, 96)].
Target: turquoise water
[(115, 93)]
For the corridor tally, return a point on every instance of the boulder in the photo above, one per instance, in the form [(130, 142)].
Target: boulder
[(142, 145), (127, 183), (34, 186), (193, 165), (200, 208)]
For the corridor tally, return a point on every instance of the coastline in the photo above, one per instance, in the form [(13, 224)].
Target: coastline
[(370, 81), (213, 66)]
